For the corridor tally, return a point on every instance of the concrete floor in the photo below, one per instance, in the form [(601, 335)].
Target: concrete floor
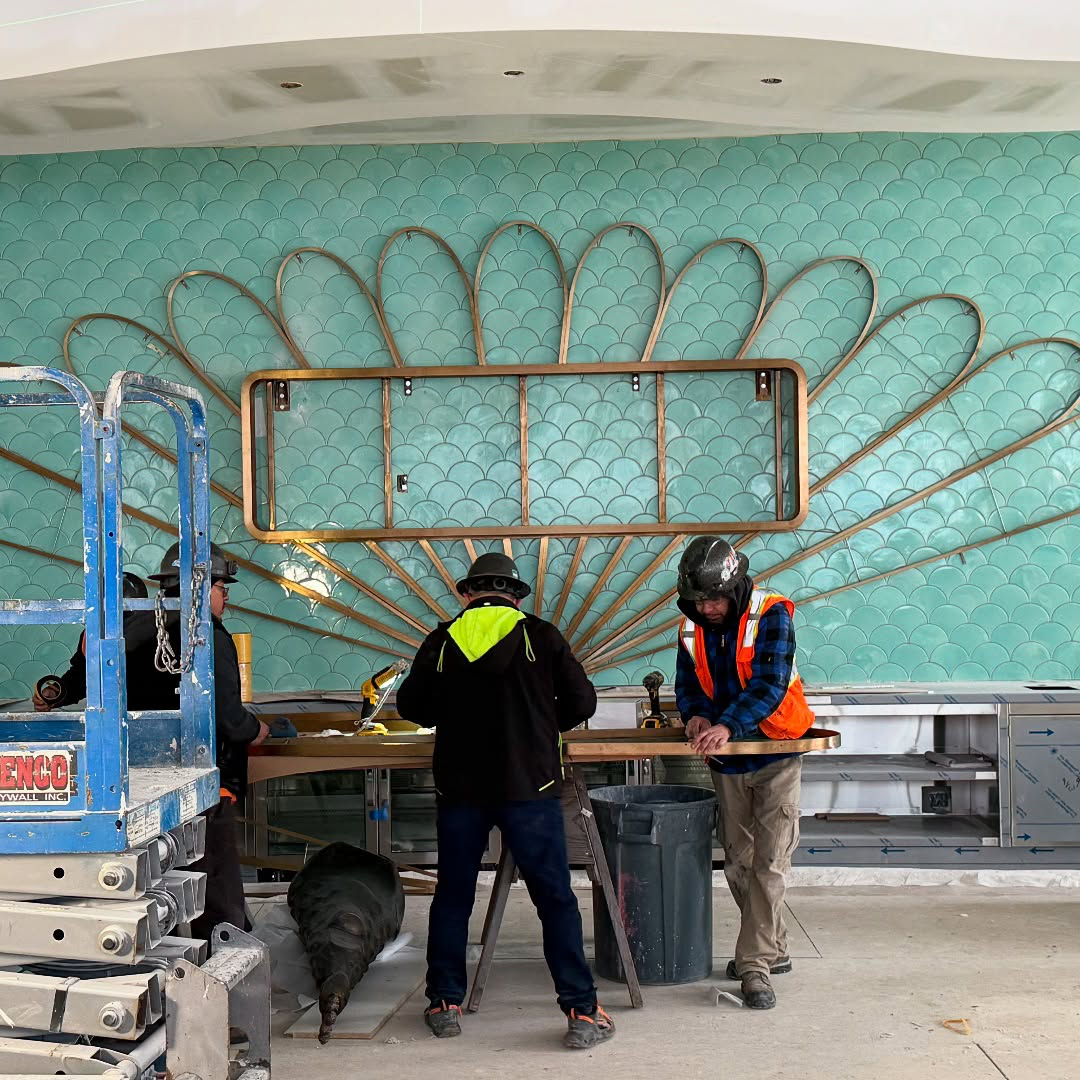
[(877, 970)]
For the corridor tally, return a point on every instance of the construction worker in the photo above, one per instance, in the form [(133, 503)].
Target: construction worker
[(150, 687), (70, 687), (499, 687), (736, 678)]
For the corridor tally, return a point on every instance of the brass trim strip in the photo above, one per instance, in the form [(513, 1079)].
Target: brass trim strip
[(395, 567), (523, 446), (388, 465), (541, 572), (601, 581), (610, 659), (609, 643), (170, 297), (661, 451), (960, 549), (617, 603), (470, 547), (438, 564), (568, 582)]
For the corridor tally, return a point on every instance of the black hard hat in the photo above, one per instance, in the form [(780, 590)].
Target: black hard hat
[(134, 586), (495, 572), (222, 568), (710, 568)]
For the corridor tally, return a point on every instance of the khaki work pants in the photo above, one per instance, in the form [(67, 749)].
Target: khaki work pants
[(759, 827)]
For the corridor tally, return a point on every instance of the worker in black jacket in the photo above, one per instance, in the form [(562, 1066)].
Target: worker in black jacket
[(69, 688), (499, 687), (151, 688)]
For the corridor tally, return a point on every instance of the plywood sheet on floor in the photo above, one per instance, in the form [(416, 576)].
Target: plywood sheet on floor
[(381, 992)]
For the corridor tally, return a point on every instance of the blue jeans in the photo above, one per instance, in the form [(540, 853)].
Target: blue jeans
[(534, 833)]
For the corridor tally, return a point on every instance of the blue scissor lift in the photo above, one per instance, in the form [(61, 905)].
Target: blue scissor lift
[(100, 807)]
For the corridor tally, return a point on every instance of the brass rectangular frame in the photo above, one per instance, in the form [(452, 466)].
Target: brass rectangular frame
[(662, 527)]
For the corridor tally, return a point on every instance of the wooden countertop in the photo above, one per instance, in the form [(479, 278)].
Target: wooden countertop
[(288, 757)]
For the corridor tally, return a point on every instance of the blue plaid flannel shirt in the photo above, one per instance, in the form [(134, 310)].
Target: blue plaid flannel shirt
[(741, 709)]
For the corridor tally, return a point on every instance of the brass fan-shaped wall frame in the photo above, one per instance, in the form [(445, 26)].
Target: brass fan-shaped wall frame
[(615, 635)]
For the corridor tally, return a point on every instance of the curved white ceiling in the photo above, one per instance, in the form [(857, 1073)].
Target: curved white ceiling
[(93, 74)]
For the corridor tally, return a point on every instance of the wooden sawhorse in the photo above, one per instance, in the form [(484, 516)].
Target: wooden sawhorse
[(579, 818)]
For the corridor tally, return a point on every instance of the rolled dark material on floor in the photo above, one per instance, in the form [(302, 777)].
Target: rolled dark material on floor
[(348, 904)]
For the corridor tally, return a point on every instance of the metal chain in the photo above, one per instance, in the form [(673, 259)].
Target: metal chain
[(164, 655)]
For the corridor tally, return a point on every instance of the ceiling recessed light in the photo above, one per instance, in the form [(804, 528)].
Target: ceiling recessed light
[(513, 73), (289, 85), (772, 80)]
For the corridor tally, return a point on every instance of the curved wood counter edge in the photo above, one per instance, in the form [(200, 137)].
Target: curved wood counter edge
[(292, 757)]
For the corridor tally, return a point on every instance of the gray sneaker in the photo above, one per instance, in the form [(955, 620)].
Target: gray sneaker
[(779, 967), (444, 1021), (585, 1030), (757, 991)]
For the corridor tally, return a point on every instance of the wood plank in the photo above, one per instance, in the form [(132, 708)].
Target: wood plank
[(378, 995)]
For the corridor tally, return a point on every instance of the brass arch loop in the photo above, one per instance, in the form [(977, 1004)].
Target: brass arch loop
[(550, 241), (1068, 416), (279, 296), (860, 338), (726, 241), (170, 314), (901, 313), (152, 335), (470, 295), (564, 343)]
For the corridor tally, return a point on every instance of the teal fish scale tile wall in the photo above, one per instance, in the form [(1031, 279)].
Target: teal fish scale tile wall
[(992, 218)]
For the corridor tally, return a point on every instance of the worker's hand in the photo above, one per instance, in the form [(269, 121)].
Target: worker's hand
[(712, 741), (695, 726), (261, 737), (40, 704)]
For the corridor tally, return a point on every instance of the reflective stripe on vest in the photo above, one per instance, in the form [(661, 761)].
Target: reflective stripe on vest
[(792, 716)]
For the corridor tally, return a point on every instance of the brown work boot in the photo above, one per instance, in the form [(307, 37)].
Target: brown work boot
[(757, 991), (780, 966)]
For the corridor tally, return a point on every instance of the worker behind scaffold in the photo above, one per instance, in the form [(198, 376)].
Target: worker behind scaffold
[(152, 685), (153, 677), (500, 687), (736, 678), (70, 687)]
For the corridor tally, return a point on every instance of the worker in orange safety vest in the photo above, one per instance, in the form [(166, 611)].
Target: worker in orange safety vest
[(736, 678)]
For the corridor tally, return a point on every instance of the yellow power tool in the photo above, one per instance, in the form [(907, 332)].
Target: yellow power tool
[(654, 718), (376, 690)]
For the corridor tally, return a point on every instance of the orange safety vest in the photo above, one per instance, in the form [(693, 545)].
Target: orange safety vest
[(793, 716)]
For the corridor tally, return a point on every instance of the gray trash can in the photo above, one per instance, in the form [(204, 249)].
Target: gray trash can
[(658, 840)]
